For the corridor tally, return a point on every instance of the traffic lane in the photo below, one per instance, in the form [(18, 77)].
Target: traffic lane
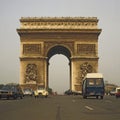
[(28, 108), (91, 109), (108, 108), (108, 104), (53, 108), (60, 108)]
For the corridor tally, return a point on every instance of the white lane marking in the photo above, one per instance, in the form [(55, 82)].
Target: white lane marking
[(89, 108)]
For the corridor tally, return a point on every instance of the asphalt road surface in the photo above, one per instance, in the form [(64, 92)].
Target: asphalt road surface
[(60, 108)]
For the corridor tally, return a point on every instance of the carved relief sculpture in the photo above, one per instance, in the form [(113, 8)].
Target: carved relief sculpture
[(31, 73), (85, 68)]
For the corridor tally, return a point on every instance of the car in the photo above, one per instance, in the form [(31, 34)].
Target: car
[(117, 94), (112, 92), (42, 92), (11, 91), (68, 92), (77, 92), (27, 92)]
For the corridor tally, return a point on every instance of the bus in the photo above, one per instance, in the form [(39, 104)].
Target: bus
[(93, 85)]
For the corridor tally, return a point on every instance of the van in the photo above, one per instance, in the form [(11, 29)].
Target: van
[(93, 85)]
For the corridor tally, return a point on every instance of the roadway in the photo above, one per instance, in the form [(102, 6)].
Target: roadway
[(60, 108)]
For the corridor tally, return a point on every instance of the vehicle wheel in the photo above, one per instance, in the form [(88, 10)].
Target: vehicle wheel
[(40, 94), (85, 97), (15, 97), (21, 97), (101, 97), (46, 96), (8, 97), (96, 97)]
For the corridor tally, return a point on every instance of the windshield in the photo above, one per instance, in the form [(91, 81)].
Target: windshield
[(94, 82), (40, 88)]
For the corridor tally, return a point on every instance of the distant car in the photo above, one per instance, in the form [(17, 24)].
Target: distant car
[(42, 92), (11, 91), (112, 92), (68, 92), (27, 92), (117, 94), (77, 92)]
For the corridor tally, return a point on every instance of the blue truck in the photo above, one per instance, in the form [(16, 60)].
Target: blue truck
[(93, 85)]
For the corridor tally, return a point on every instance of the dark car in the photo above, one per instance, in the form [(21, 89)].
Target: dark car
[(77, 92), (11, 91), (68, 92)]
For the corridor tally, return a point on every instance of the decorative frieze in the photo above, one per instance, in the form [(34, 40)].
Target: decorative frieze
[(31, 48), (59, 23)]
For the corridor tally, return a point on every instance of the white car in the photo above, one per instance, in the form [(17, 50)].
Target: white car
[(42, 91), (27, 92)]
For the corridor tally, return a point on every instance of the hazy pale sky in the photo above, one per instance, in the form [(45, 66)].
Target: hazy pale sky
[(107, 11)]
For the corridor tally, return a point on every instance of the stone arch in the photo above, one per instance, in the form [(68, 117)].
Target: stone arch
[(67, 45), (58, 49), (41, 38)]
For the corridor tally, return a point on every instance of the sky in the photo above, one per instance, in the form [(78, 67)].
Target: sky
[(107, 11)]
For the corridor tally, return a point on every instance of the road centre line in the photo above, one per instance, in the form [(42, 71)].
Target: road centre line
[(89, 108)]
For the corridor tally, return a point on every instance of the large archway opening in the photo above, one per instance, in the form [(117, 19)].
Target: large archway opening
[(59, 73), (59, 69)]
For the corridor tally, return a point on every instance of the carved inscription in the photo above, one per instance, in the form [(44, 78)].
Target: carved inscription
[(32, 49), (83, 49)]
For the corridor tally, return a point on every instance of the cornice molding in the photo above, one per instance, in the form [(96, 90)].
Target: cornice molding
[(81, 57), (91, 31), (32, 58), (58, 19), (58, 23)]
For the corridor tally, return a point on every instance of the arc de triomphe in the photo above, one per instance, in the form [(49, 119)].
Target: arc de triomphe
[(43, 37)]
